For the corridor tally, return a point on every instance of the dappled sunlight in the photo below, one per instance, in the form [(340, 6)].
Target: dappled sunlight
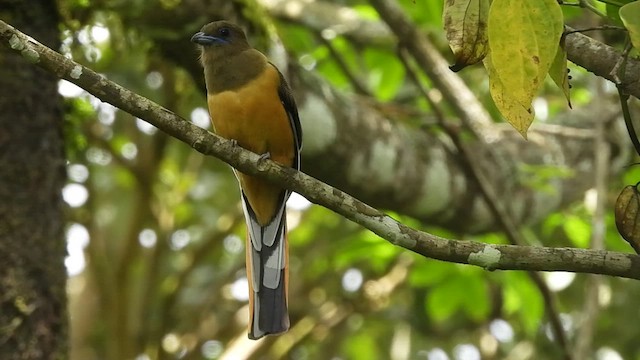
[(234, 244), (145, 127), (607, 353), (77, 241), (200, 117), (211, 349), (154, 80), (501, 330), (69, 90), (98, 156), (352, 280), (179, 239), (240, 289), (78, 173), (466, 352), (298, 202), (558, 281), (433, 354), (147, 238), (75, 194)]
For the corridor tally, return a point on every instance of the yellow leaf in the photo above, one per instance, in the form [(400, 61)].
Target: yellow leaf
[(559, 73), (519, 116), (523, 38), (630, 15), (465, 23)]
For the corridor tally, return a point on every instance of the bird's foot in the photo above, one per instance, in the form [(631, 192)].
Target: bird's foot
[(265, 156), (261, 160)]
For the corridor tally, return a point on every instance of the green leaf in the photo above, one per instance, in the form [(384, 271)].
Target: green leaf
[(427, 273), (476, 298), (445, 299), (560, 74), (465, 24), (366, 11), (522, 298), (578, 231), (523, 40), (328, 68), (365, 247), (297, 38), (361, 346), (551, 223), (630, 15), (613, 13), (386, 73), (423, 12)]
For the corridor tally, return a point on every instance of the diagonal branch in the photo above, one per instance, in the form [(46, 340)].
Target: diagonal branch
[(488, 256), (464, 102)]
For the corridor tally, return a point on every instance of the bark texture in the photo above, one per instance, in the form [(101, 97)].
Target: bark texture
[(33, 321)]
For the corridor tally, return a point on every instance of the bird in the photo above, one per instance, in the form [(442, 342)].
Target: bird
[(251, 104)]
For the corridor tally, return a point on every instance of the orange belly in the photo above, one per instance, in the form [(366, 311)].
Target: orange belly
[(255, 117)]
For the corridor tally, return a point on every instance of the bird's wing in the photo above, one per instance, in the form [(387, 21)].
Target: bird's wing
[(289, 103)]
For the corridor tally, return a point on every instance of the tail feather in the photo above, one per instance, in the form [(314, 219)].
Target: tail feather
[(267, 270)]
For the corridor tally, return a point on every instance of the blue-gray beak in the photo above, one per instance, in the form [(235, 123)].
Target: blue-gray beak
[(203, 39)]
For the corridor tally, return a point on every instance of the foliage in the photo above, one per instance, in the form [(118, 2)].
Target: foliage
[(630, 15), (521, 44), (156, 246)]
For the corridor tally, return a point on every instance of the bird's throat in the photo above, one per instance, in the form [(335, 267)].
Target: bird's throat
[(227, 73)]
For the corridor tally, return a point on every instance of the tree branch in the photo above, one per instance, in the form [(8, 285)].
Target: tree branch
[(488, 256), (601, 59)]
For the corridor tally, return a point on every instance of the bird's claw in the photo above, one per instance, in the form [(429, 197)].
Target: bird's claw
[(265, 156), (261, 160)]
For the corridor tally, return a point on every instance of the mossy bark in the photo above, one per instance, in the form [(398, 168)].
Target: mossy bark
[(33, 315)]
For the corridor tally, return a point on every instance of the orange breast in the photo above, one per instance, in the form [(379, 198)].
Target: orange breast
[(255, 117)]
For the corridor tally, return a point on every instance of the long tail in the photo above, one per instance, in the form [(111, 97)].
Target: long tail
[(267, 271)]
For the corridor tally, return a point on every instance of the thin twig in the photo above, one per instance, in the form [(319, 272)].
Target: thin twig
[(358, 85), (595, 28), (585, 4), (626, 114), (463, 101), (601, 154), (621, 64)]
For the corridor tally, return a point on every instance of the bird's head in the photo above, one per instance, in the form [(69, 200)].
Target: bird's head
[(227, 58), (220, 34)]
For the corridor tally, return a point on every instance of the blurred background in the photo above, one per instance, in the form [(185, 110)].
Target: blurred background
[(155, 233)]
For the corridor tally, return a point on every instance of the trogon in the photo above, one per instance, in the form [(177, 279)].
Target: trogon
[(251, 103)]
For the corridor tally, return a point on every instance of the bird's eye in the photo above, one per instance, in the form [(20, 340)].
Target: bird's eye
[(224, 32)]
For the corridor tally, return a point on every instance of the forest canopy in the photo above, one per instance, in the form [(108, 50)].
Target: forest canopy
[(513, 162)]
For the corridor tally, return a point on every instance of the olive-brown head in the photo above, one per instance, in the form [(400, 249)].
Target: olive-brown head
[(228, 59), (221, 34)]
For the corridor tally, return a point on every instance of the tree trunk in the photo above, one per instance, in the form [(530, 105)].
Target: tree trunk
[(33, 314)]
